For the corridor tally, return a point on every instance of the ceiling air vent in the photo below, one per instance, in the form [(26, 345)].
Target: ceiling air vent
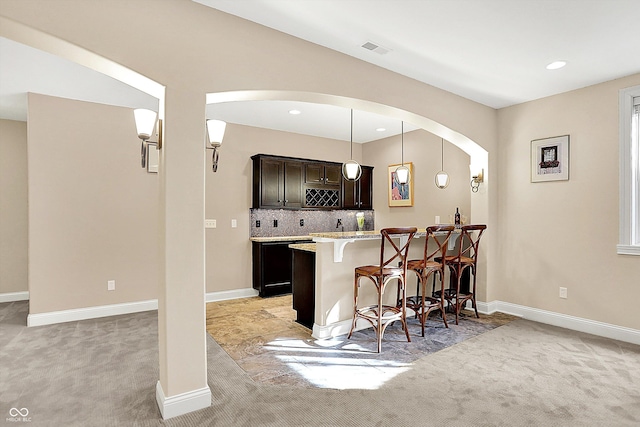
[(375, 48)]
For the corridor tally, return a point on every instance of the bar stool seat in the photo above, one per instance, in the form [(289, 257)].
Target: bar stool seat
[(381, 315)]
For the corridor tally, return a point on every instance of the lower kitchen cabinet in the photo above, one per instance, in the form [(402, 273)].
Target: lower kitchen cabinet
[(272, 265), (304, 286)]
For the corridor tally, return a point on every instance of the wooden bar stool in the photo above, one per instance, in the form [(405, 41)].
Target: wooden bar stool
[(466, 258), (438, 238), (380, 315)]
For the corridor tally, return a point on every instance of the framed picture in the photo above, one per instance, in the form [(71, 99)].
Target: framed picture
[(550, 159), (400, 194), (152, 157)]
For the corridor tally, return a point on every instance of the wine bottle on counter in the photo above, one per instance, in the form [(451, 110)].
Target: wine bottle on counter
[(457, 218)]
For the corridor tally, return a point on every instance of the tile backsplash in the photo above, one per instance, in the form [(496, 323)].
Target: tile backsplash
[(314, 221)]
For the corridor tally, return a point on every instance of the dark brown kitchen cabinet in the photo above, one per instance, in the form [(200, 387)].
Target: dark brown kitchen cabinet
[(304, 286), (272, 267), (359, 194), (277, 183), (292, 183), (323, 174)]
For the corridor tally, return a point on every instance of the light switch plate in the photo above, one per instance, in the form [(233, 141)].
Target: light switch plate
[(209, 223), (234, 223), (111, 285)]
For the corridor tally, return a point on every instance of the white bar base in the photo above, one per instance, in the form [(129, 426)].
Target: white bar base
[(182, 403)]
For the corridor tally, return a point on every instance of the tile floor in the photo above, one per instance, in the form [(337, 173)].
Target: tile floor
[(261, 335)]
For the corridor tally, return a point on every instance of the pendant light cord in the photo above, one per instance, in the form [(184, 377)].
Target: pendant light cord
[(442, 154), (402, 141), (351, 138)]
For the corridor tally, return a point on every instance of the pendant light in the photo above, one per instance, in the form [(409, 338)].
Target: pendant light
[(442, 178), (403, 175), (351, 170)]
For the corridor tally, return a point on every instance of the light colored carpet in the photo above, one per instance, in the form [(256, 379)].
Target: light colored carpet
[(103, 372)]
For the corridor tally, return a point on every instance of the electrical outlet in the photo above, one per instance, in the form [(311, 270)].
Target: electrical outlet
[(302, 223), (563, 292), (234, 223), (111, 285), (275, 222), (209, 223), (257, 223)]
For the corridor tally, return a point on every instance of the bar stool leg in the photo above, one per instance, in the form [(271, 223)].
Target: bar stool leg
[(355, 305)]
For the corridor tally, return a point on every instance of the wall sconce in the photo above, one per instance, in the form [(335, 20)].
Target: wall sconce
[(215, 132), (476, 180), (403, 175), (145, 124)]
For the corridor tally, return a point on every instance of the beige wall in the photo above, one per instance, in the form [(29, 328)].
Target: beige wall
[(423, 150), (228, 265), (589, 115), (13, 207), (228, 195), (564, 233), (92, 209)]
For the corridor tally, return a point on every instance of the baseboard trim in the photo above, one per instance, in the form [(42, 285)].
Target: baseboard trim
[(50, 318), (14, 296), (182, 403), (573, 323), (579, 324), (233, 294), (85, 313)]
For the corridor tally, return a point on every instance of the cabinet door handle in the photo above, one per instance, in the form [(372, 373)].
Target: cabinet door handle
[(286, 201)]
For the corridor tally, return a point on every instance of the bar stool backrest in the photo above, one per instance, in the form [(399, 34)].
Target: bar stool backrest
[(469, 253), (399, 252), (441, 241)]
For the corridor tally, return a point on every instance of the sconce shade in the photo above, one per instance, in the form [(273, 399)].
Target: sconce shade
[(351, 170), (402, 174), (215, 131), (442, 180), (145, 122)]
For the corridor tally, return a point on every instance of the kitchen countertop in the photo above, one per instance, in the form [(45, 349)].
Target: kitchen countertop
[(308, 247), (375, 234), (279, 238)]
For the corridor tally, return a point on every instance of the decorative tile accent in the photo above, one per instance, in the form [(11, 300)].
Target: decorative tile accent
[(315, 221)]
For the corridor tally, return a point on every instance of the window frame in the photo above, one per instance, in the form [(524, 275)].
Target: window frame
[(629, 175)]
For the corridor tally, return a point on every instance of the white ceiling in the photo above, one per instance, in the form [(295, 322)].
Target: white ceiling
[(490, 51)]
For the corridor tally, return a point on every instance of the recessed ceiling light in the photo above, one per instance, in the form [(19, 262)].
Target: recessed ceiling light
[(294, 112), (381, 129), (556, 64)]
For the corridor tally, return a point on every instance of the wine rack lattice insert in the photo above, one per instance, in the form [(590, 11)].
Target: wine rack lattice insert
[(322, 198)]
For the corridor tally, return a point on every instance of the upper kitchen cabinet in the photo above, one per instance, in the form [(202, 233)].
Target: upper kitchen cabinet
[(322, 185), (359, 194), (292, 183), (277, 182), (323, 173)]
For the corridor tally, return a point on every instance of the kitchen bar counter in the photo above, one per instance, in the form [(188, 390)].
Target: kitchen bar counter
[(340, 239), (307, 247), (334, 276)]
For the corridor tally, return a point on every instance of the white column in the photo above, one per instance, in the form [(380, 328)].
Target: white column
[(183, 385)]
